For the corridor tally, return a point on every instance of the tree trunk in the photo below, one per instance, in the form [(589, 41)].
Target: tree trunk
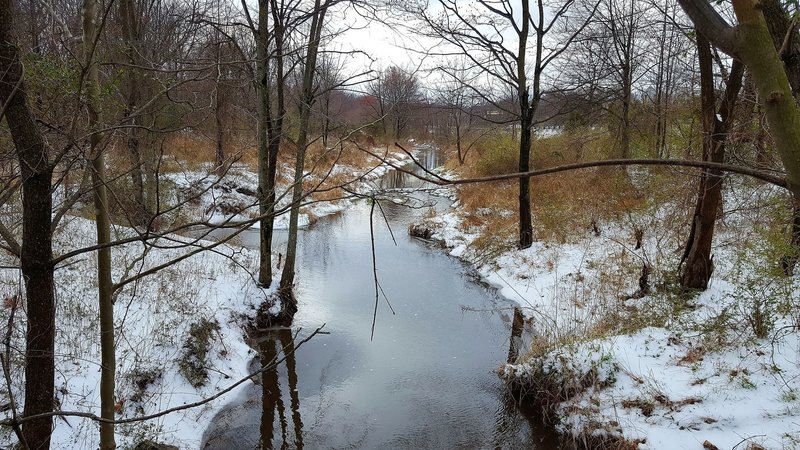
[(525, 222), (271, 130), (459, 152), (779, 24), (625, 122), (219, 154), (756, 50), (37, 247), (287, 277), (752, 43), (264, 191), (103, 226), (526, 125), (326, 120), (772, 80), (133, 96), (697, 262)]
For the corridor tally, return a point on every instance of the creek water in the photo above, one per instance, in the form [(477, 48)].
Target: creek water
[(428, 377)]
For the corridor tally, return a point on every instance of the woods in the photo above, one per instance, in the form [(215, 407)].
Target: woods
[(142, 137)]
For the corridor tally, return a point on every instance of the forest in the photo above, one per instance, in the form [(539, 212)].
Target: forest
[(399, 224)]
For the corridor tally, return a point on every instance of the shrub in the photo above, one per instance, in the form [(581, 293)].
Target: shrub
[(763, 293), (193, 364), (499, 154)]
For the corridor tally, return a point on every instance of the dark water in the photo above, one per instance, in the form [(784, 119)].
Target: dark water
[(427, 379)]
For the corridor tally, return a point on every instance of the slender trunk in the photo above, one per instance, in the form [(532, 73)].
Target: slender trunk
[(103, 226), (660, 75), (790, 257), (287, 277), (461, 156), (272, 132), (37, 246), (264, 191), (698, 261), (625, 123), (34, 25), (326, 120), (526, 125), (219, 154), (133, 96), (525, 222)]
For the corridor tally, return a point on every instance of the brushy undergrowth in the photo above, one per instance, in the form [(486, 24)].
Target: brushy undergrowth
[(193, 364)]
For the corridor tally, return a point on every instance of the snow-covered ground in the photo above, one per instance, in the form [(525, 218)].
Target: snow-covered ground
[(153, 318), (233, 197), (658, 371)]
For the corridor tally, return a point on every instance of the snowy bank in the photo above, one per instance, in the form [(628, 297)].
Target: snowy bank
[(611, 365), (154, 317)]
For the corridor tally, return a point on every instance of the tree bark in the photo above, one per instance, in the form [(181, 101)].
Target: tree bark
[(526, 124), (270, 132), (37, 247), (625, 121), (697, 262), (784, 37), (264, 192), (133, 97), (103, 227), (219, 154), (307, 101)]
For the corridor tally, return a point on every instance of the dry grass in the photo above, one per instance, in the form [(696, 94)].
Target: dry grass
[(566, 205)]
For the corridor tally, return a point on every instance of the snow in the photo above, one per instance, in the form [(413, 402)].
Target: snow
[(233, 197), (662, 377), (153, 317)]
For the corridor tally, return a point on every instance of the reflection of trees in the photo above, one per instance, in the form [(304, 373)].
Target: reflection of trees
[(272, 399), (291, 367)]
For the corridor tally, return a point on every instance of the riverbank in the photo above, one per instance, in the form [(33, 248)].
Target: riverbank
[(180, 332), (614, 364), (179, 336)]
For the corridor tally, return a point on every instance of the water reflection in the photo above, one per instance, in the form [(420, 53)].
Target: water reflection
[(427, 157), (275, 344), (427, 380)]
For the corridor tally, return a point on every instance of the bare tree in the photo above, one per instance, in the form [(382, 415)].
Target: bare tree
[(609, 59), (395, 91), (671, 43), (459, 102), (497, 38), (697, 263)]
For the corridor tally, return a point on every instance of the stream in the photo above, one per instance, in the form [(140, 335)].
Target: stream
[(428, 377)]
